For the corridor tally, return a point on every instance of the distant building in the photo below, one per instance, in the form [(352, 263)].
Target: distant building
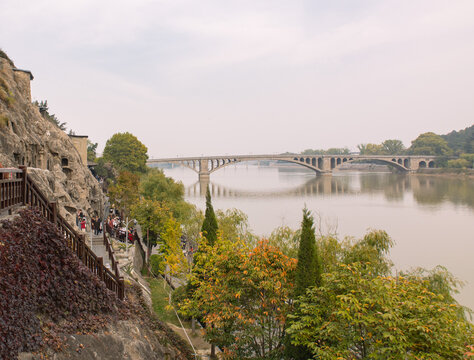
[(80, 143)]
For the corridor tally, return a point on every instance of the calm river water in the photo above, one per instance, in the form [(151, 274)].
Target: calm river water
[(431, 219)]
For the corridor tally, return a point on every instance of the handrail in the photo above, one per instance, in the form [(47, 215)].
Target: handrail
[(17, 188), (10, 170)]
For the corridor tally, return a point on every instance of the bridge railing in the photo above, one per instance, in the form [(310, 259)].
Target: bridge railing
[(17, 188)]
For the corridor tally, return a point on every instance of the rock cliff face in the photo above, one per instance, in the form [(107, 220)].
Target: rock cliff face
[(26, 138)]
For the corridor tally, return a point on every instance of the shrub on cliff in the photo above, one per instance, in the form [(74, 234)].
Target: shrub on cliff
[(44, 288), (3, 55)]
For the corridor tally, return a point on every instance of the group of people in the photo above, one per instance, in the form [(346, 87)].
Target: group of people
[(96, 223), (116, 227)]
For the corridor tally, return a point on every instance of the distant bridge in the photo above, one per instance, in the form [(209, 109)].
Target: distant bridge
[(321, 164)]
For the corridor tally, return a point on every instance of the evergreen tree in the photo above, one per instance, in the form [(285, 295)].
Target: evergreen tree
[(209, 226), (308, 274), (308, 269)]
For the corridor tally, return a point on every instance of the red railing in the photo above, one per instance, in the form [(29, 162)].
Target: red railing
[(17, 188)]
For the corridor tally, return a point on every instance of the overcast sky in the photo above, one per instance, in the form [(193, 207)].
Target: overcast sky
[(219, 77)]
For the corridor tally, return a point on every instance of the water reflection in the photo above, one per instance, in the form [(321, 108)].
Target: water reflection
[(426, 190), (323, 185), (429, 190)]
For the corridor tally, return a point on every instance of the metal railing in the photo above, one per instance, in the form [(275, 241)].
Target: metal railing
[(17, 188)]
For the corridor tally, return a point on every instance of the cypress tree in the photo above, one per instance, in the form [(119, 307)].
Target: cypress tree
[(209, 225), (308, 269), (308, 273)]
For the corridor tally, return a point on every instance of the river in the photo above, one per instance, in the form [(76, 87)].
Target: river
[(429, 218)]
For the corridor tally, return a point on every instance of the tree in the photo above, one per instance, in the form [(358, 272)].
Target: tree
[(308, 269), (372, 249), (355, 315), (337, 151), (330, 151), (171, 238), (44, 109), (286, 239), (393, 147), (209, 225), (125, 152), (105, 170), (243, 297), (124, 193), (91, 150), (152, 216), (233, 225), (461, 141), (308, 274), (430, 144), (370, 149), (156, 186), (192, 225)]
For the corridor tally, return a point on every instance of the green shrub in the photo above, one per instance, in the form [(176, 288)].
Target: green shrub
[(469, 158), (5, 56), (157, 264), (459, 163), (179, 295), (5, 94), (3, 121)]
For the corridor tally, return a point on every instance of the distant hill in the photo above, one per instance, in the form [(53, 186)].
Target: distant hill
[(461, 141)]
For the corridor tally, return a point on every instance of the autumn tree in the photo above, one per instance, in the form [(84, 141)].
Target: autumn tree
[(125, 152), (243, 296), (209, 225), (171, 241)]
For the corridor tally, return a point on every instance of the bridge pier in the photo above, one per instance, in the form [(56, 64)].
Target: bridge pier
[(204, 176), (204, 181), (322, 164)]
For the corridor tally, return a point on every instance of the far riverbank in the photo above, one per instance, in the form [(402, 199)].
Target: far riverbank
[(447, 172)]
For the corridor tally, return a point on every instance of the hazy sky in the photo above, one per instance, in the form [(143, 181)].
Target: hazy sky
[(220, 77)]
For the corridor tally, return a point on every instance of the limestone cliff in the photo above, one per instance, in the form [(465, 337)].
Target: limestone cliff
[(26, 138)]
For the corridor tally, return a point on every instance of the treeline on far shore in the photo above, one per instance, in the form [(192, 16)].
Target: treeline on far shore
[(454, 150)]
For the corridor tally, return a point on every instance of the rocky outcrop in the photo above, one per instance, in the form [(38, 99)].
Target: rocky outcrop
[(123, 340), (26, 138)]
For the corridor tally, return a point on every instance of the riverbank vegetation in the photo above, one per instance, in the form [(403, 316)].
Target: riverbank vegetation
[(455, 149), (298, 294), (351, 305)]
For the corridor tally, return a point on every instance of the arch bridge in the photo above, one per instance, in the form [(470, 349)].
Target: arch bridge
[(321, 164)]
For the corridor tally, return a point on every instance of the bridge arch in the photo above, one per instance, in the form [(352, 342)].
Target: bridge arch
[(188, 164), (396, 163), (306, 162)]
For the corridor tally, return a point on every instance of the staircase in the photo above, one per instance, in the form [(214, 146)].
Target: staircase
[(99, 249), (18, 189)]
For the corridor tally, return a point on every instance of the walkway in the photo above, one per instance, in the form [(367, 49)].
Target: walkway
[(98, 247)]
